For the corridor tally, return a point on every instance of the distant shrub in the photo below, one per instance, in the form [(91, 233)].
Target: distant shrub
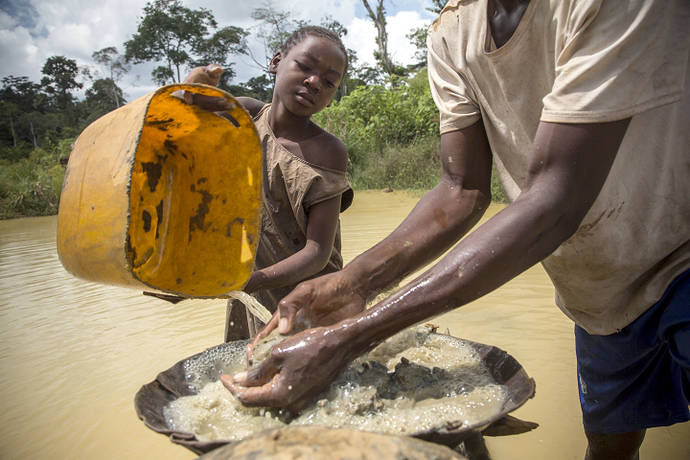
[(498, 194), (415, 165), (391, 134), (31, 186), (372, 118)]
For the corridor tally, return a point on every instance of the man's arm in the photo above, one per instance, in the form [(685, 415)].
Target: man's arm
[(568, 167), (438, 221)]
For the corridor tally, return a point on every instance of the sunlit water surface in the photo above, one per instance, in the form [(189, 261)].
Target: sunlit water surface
[(74, 353)]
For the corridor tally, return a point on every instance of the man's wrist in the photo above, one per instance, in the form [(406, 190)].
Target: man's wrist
[(358, 279)]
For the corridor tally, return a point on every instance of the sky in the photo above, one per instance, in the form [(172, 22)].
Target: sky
[(33, 30)]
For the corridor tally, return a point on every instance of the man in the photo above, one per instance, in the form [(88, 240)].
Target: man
[(584, 105)]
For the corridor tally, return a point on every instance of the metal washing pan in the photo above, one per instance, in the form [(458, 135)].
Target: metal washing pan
[(178, 381)]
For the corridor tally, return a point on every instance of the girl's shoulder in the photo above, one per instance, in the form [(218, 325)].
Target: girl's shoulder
[(325, 150)]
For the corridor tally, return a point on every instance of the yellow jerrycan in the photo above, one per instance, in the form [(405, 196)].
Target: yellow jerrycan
[(164, 196)]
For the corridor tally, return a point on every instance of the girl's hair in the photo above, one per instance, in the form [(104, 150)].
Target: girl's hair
[(312, 31)]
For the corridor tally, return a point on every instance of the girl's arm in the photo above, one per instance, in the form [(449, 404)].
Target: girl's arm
[(322, 223), (253, 106)]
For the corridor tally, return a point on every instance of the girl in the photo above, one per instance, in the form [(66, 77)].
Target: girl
[(305, 187)]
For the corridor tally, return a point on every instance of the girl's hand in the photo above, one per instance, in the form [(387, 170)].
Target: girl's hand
[(208, 75)]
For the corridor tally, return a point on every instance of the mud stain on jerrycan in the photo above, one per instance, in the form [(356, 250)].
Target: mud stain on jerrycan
[(163, 195)]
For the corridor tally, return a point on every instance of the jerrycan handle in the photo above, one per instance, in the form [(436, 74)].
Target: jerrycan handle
[(219, 104)]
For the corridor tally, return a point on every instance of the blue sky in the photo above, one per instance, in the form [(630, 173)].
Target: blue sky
[(33, 30)]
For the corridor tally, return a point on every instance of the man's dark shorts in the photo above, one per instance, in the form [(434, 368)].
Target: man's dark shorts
[(639, 377)]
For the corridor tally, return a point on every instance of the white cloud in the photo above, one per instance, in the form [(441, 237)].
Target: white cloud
[(398, 27), (20, 56), (39, 29), (361, 37), (74, 28)]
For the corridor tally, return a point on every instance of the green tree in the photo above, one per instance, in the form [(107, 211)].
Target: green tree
[(437, 6), (215, 49), (372, 117), (60, 79), (274, 27), (257, 87), (10, 114), (350, 80), (116, 66), (368, 75), (417, 37), (382, 56), (26, 94), (22, 105), (100, 98), (179, 37)]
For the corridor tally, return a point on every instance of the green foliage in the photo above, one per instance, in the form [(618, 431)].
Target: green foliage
[(497, 193), (26, 95), (414, 165), (60, 78), (275, 26), (22, 105), (437, 6), (103, 96), (418, 38), (15, 152), (111, 59), (388, 121), (31, 186), (116, 67), (371, 118), (216, 48), (391, 134), (260, 88)]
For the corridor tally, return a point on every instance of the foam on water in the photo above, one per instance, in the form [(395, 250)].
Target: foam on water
[(411, 383)]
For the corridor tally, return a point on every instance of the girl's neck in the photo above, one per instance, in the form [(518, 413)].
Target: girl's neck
[(287, 125)]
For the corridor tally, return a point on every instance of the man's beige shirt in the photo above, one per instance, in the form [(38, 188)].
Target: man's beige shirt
[(586, 61)]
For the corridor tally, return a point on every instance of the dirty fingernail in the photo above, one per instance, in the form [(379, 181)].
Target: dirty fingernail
[(283, 325), (237, 378)]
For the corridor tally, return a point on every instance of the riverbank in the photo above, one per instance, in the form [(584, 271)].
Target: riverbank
[(30, 187)]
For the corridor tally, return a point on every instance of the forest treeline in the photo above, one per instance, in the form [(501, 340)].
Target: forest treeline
[(384, 113)]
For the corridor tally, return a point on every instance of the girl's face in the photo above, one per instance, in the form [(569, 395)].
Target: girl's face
[(308, 76)]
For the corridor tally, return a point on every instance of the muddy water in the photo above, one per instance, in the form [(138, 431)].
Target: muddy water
[(74, 353)]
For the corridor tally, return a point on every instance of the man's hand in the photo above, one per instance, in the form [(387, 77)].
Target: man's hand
[(317, 302), (296, 371), (320, 302)]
